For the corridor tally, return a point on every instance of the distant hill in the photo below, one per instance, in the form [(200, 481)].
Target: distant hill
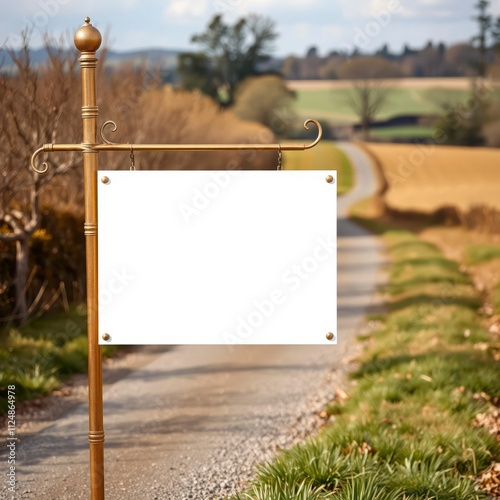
[(165, 58)]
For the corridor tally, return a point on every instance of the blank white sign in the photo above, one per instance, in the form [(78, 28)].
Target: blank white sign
[(221, 257)]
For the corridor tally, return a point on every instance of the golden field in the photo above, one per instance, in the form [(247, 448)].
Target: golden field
[(456, 83), (424, 178)]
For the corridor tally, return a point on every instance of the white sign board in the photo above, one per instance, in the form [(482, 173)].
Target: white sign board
[(221, 257)]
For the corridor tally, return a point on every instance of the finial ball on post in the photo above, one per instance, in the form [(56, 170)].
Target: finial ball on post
[(87, 38)]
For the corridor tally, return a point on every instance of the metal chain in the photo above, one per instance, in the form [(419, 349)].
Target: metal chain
[(280, 159), (132, 158)]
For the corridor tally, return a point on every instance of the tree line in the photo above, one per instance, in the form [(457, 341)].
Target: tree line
[(475, 57)]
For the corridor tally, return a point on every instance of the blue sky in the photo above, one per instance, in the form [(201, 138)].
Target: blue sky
[(327, 24)]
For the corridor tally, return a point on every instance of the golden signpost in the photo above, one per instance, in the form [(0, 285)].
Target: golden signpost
[(87, 41)]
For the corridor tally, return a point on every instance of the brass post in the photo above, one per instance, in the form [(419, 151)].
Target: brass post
[(87, 41)]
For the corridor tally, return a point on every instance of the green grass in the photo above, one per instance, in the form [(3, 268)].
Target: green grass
[(333, 104), (481, 252), (47, 351), (496, 297), (406, 431), (403, 132), (325, 156)]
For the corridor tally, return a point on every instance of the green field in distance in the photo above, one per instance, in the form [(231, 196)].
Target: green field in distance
[(333, 104)]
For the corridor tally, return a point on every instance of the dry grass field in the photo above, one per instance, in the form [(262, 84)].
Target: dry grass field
[(459, 83), (426, 178)]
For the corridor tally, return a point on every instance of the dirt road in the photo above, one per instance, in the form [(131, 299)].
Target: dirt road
[(193, 422)]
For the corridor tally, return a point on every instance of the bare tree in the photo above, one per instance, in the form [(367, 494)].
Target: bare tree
[(34, 111), (484, 21), (368, 94), (366, 100)]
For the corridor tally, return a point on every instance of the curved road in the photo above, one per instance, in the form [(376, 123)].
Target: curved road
[(195, 417)]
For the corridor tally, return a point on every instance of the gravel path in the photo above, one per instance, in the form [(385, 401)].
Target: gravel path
[(193, 421)]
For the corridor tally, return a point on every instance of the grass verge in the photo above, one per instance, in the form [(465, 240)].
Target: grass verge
[(47, 351), (481, 252), (325, 156), (410, 428)]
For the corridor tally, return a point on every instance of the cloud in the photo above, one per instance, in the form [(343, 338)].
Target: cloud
[(285, 3), (354, 10), (431, 9), (309, 33), (129, 4), (277, 8), (181, 10)]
